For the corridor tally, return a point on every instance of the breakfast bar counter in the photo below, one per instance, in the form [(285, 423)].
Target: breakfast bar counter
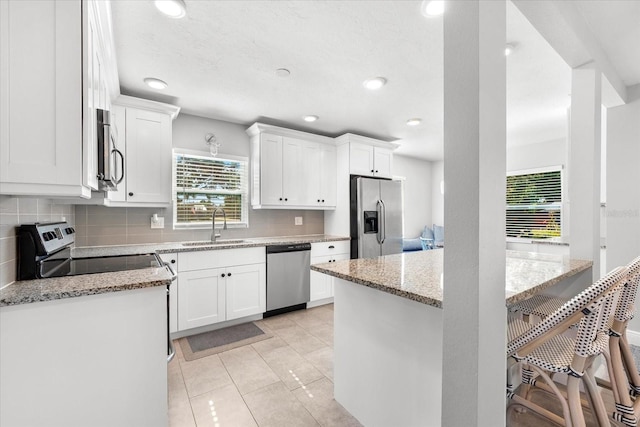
[(418, 275), (388, 328)]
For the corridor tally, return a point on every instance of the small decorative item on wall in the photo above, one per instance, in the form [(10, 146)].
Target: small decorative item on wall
[(212, 142)]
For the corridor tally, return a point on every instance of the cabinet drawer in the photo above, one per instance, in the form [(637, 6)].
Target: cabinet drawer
[(200, 260), (330, 248)]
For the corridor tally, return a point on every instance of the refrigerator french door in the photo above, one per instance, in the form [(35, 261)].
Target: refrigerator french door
[(376, 217)]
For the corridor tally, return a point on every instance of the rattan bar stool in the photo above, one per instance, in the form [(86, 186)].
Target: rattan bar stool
[(543, 349), (623, 374), (539, 305)]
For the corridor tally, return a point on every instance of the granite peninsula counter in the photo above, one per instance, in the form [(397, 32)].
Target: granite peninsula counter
[(418, 275), (388, 328)]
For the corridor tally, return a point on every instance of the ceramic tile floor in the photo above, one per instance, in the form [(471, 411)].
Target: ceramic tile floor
[(286, 380)]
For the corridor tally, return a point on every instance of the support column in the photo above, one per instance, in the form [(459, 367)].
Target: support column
[(584, 173), (473, 389), (623, 187)]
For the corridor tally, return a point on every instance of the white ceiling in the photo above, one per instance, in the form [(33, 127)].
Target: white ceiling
[(220, 62)]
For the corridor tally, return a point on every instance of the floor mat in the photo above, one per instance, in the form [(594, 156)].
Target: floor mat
[(214, 342)]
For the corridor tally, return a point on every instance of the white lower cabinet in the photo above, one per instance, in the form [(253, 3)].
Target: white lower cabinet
[(201, 298), (214, 286), (246, 290), (321, 285)]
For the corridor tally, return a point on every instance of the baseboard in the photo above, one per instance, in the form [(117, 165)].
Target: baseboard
[(320, 302), (633, 337)]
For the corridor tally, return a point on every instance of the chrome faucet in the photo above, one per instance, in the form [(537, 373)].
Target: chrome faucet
[(213, 223)]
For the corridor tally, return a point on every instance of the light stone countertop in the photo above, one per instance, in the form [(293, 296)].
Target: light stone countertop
[(170, 247), (30, 291), (418, 275)]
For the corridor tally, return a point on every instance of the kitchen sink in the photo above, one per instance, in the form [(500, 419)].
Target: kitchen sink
[(218, 242)]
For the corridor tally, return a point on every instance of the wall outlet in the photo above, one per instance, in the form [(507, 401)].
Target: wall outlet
[(157, 221), (298, 220)]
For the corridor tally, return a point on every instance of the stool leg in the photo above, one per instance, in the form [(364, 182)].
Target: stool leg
[(597, 405)]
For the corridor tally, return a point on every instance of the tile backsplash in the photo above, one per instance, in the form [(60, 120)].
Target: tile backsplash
[(17, 210), (99, 225)]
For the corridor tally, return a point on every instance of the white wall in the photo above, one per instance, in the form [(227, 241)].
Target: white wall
[(417, 192), (189, 132), (623, 185), (538, 155), (437, 198)]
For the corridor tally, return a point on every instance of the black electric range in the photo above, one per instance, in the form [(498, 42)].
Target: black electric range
[(44, 250)]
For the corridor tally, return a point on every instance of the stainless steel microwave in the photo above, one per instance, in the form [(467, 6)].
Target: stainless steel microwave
[(108, 154)]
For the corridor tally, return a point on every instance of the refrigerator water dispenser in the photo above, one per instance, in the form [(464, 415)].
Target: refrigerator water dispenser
[(370, 222)]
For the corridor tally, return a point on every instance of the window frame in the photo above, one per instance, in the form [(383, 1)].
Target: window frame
[(561, 204), (245, 197)]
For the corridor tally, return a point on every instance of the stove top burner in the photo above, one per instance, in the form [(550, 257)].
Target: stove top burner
[(44, 250), (77, 266)]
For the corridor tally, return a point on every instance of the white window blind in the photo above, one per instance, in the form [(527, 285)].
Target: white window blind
[(203, 183), (534, 204)]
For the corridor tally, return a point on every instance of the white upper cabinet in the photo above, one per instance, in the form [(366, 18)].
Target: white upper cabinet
[(144, 135), (53, 74), (319, 160), (288, 169), (368, 156)]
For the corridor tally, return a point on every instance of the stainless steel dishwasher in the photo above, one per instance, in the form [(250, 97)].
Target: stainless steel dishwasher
[(288, 277)]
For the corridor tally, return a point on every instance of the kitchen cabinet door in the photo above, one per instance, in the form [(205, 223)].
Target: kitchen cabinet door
[(293, 174), (41, 80), (320, 284), (361, 159), (382, 162), (201, 298), (148, 156), (246, 290), (311, 167), (328, 175), (270, 169)]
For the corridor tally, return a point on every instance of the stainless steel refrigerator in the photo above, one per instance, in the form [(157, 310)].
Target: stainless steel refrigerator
[(376, 217)]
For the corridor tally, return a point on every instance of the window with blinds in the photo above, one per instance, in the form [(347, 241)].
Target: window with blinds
[(203, 183), (534, 205)]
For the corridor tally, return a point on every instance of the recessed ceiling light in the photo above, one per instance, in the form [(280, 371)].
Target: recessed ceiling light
[(414, 122), (155, 83), (282, 72), (432, 8), (375, 83), (508, 49), (310, 118), (172, 8)]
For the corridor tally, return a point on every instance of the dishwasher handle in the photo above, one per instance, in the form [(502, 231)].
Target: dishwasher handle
[(296, 247)]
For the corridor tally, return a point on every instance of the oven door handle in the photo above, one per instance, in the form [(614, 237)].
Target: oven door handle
[(173, 274), (170, 348)]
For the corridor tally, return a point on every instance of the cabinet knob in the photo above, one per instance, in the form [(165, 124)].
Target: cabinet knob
[(332, 247), (371, 170), (376, 170), (130, 194), (322, 200), (223, 275), (229, 274), (285, 199), (318, 200), (280, 198), (173, 261)]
